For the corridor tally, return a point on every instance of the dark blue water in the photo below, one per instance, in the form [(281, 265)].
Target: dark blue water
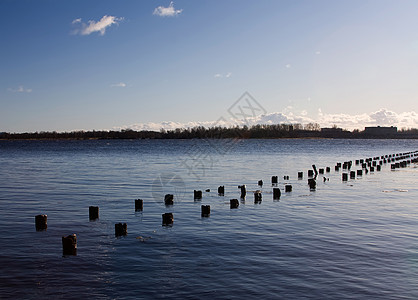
[(346, 240)]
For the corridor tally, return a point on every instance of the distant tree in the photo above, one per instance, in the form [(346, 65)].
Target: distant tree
[(312, 127)]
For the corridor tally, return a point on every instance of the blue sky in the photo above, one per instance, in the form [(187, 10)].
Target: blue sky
[(71, 65)]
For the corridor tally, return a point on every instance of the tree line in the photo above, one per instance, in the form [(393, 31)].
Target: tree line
[(311, 130)]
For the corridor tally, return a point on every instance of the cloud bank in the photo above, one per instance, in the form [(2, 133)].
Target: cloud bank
[(93, 26), (169, 11), (382, 117)]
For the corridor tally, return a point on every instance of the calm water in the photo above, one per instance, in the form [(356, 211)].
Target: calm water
[(346, 240)]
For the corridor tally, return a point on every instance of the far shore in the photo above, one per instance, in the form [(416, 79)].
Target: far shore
[(277, 131)]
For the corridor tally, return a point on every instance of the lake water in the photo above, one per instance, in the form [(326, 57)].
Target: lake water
[(347, 240)]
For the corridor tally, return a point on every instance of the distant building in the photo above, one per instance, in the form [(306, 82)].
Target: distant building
[(333, 132), (380, 131)]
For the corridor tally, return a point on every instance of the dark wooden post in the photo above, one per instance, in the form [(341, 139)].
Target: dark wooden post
[(168, 219), (197, 195), (243, 191), (312, 183), (234, 203), (276, 193), (205, 210), (121, 229), (41, 222), (169, 199), (221, 190), (93, 212), (139, 204), (69, 245), (257, 196)]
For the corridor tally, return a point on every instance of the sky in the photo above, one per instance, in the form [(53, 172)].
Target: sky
[(105, 65)]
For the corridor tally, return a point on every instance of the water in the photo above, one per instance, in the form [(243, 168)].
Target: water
[(346, 240)]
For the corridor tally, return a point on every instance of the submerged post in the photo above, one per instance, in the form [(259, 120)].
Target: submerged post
[(69, 245), (205, 210), (169, 199), (139, 204), (197, 195), (41, 222), (121, 229), (312, 183), (234, 203), (274, 180), (168, 219), (257, 196), (315, 170), (243, 191), (221, 190), (93, 212), (288, 188), (276, 194)]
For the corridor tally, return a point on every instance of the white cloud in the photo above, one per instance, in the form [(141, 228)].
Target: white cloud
[(169, 11), (120, 84), (93, 26), (169, 125), (219, 75), (318, 52), (20, 89), (382, 117), (288, 66)]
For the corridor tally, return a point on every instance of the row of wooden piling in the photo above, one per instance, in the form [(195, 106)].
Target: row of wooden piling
[(69, 243), (399, 160), (372, 164)]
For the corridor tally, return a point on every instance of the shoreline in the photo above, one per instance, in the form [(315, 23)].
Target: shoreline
[(211, 138)]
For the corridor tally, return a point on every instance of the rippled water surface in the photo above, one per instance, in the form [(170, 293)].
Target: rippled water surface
[(346, 240)]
